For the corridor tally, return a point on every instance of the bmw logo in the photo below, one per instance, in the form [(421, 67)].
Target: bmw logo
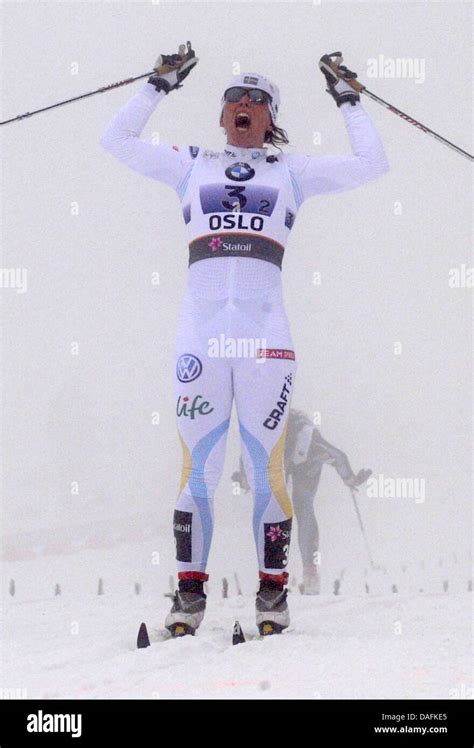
[(240, 172), (188, 367)]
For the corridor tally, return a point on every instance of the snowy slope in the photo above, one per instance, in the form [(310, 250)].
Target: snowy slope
[(81, 645)]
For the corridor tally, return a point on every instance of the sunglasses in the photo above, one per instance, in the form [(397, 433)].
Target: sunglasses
[(256, 96)]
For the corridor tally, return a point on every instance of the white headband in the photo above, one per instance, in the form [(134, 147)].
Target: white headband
[(254, 80)]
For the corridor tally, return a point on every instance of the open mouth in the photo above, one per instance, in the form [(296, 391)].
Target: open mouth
[(242, 121)]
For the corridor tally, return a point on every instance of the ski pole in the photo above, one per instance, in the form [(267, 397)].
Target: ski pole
[(361, 525), (360, 88), (76, 98)]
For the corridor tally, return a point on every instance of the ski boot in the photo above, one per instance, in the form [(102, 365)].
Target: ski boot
[(272, 610), (311, 581), (189, 605)]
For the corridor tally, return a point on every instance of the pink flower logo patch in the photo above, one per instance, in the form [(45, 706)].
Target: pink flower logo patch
[(274, 533), (215, 243)]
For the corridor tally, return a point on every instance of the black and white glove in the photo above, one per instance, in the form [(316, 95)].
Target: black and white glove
[(170, 70), (340, 90)]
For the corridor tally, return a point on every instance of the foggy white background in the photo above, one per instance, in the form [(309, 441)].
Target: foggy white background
[(88, 418)]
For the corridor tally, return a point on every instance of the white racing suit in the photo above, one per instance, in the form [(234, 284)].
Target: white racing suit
[(233, 340)]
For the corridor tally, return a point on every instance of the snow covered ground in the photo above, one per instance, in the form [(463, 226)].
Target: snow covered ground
[(382, 336), (79, 644)]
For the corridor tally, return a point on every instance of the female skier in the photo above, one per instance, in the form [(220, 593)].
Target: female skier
[(239, 206)]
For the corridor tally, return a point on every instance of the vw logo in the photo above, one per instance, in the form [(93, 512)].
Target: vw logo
[(240, 172), (188, 367)]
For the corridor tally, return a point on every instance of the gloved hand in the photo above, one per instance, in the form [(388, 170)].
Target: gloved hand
[(170, 70), (356, 480), (337, 76)]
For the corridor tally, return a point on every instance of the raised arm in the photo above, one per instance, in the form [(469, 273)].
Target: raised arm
[(315, 175), (122, 137)]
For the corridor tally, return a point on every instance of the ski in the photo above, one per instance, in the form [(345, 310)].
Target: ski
[(143, 640), (266, 629), (238, 636), (269, 628), (177, 631)]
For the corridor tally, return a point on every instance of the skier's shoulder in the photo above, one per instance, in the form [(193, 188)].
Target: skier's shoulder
[(297, 162), (277, 156)]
